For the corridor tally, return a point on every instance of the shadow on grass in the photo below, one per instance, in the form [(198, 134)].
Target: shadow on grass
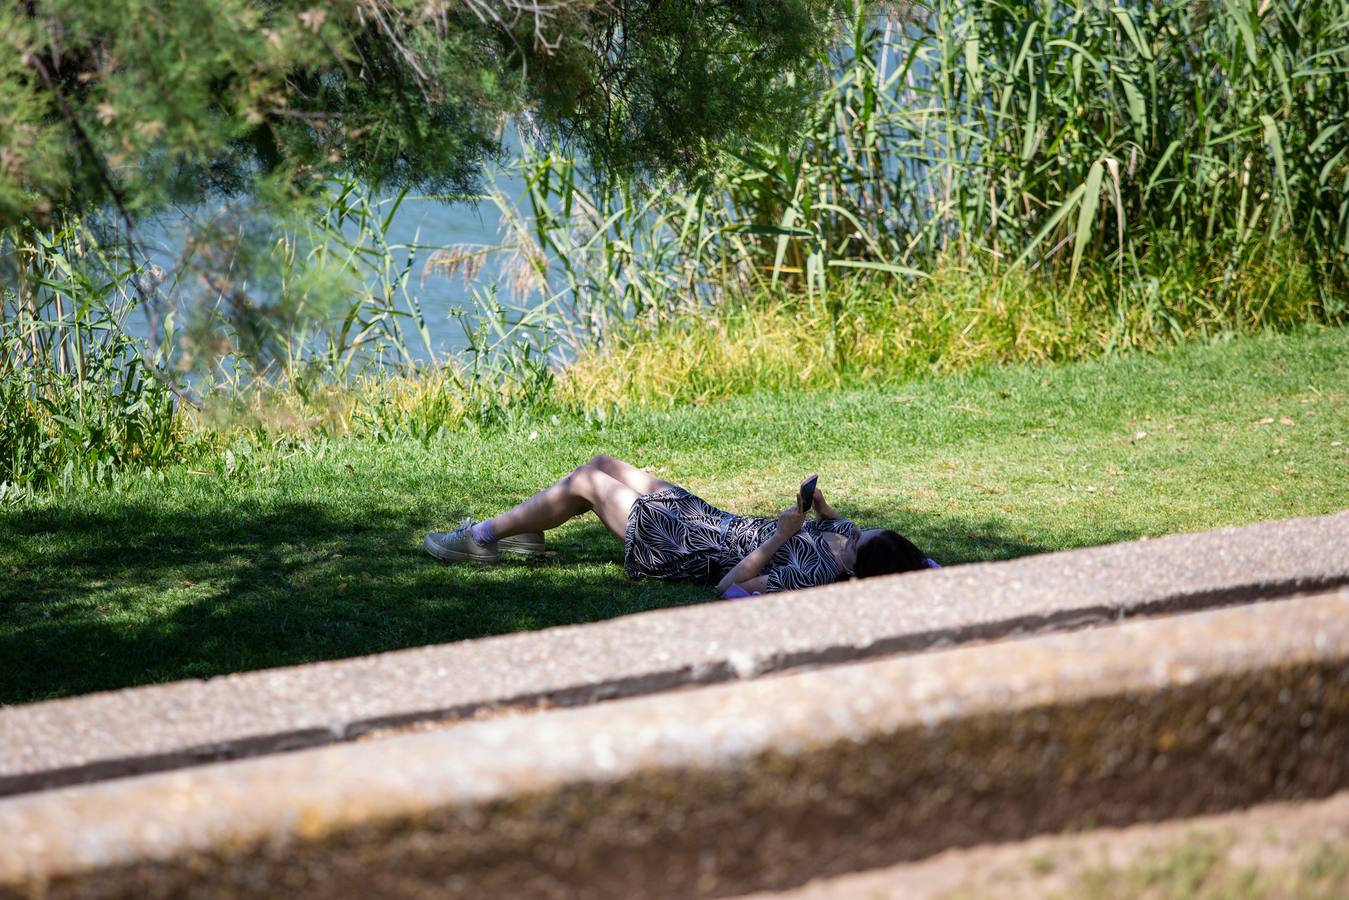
[(100, 600)]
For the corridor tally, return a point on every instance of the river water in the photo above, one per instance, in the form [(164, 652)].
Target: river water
[(426, 222)]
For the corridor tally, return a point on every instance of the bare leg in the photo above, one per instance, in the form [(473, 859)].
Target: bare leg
[(587, 488), (633, 477)]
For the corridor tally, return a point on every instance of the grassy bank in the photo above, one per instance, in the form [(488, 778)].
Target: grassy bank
[(862, 330), (973, 184), (310, 549)]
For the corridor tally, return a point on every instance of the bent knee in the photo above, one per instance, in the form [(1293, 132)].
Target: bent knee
[(582, 478)]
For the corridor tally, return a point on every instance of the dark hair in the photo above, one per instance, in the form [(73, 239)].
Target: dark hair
[(886, 553)]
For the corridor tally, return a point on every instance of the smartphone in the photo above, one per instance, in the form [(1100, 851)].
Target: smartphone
[(805, 499)]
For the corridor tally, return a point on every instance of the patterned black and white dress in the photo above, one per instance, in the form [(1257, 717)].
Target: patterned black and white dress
[(675, 535)]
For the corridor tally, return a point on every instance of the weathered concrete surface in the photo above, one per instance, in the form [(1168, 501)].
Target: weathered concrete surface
[(163, 727), (1294, 849), (735, 788)]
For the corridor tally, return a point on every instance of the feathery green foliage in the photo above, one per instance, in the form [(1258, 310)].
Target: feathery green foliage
[(134, 103)]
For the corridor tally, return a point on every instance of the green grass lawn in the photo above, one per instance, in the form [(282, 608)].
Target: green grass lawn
[(290, 556)]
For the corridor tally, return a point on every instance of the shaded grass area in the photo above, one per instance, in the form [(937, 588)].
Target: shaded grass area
[(308, 551)]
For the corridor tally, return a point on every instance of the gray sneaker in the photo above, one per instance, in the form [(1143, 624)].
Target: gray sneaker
[(458, 546), (528, 544)]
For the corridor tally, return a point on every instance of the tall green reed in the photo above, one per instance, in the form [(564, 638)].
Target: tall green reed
[(1049, 133), (348, 344), (989, 136), (1168, 153), (80, 398)]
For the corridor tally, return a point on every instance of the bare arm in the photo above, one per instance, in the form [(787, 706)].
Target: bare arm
[(822, 508), (789, 523)]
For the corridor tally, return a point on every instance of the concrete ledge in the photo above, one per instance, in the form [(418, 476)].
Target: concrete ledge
[(164, 727), (734, 788)]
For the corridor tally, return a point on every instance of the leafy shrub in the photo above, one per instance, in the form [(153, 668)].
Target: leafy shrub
[(59, 431)]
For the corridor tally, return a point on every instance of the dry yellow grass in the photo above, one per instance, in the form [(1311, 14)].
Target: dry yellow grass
[(868, 329)]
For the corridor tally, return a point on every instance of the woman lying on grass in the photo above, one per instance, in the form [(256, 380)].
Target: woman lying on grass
[(669, 533)]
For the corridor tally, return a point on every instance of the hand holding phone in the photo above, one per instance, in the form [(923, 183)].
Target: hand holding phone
[(805, 498)]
